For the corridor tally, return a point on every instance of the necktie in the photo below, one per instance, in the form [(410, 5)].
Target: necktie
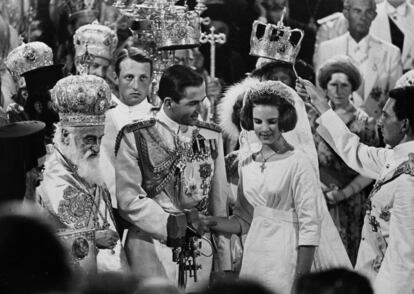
[(397, 36)]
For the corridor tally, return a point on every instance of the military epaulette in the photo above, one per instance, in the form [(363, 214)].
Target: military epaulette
[(329, 18), (113, 104), (210, 126), (407, 167), (140, 124)]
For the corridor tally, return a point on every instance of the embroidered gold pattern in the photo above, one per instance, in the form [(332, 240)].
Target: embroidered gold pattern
[(76, 207)]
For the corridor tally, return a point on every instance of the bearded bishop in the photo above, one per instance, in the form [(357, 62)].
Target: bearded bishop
[(72, 191)]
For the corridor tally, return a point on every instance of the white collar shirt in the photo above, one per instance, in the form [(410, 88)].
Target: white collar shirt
[(169, 128), (400, 10), (124, 114), (398, 15), (358, 51)]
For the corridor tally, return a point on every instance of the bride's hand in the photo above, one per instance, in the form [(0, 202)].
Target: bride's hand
[(206, 222), (317, 96)]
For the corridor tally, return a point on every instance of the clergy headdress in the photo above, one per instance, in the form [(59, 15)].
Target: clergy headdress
[(95, 39), (28, 57), (406, 79), (82, 100)]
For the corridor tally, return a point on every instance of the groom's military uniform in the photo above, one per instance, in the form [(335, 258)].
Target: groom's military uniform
[(162, 168)]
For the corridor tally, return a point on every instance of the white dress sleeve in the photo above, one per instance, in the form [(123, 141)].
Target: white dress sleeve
[(243, 210), (305, 193)]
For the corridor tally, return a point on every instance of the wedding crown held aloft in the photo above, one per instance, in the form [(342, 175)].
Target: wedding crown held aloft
[(179, 28), (82, 100), (28, 57), (173, 27), (278, 42), (96, 39)]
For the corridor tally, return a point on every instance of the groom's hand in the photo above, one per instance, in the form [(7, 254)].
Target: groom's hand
[(316, 95)]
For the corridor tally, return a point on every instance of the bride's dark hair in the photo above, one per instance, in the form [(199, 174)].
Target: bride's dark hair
[(268, 96)]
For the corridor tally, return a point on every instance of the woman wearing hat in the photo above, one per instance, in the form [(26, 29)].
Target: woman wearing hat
[(344, 188)]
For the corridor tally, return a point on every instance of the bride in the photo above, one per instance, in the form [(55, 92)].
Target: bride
[(280, 208)]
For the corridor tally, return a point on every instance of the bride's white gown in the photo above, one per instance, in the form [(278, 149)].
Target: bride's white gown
[(279, 210), (283, 208)]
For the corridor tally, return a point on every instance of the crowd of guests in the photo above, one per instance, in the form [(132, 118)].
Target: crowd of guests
[(299, 172)]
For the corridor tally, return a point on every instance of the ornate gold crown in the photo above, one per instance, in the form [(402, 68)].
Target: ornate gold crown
[(78, 8), (96, 39), (406, 79), (28, 57), (138, 12), (178, 29), (173, 26), (278, 42), (82, 100)]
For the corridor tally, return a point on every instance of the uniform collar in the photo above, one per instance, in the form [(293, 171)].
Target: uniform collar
[(115, 101), (144, 105), (164, 118), (400, 10), (401, 151), (363, 44)]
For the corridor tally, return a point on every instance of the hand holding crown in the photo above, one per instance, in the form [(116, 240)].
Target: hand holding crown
[(315, 94)]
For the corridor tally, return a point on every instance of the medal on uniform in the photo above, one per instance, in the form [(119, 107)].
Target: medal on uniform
[(213, 148), (205, 170)]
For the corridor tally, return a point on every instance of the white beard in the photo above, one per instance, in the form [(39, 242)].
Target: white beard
[(89, 170)]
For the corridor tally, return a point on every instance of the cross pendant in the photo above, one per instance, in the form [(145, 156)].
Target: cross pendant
[(263, 166)]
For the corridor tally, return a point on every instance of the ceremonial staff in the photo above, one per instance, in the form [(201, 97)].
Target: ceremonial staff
[(29, 23), (213, 39)]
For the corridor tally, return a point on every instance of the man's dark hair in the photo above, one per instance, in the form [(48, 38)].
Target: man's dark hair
[(287, 112), (133, 53), (334, 281), (404, 103), (175, 80)]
